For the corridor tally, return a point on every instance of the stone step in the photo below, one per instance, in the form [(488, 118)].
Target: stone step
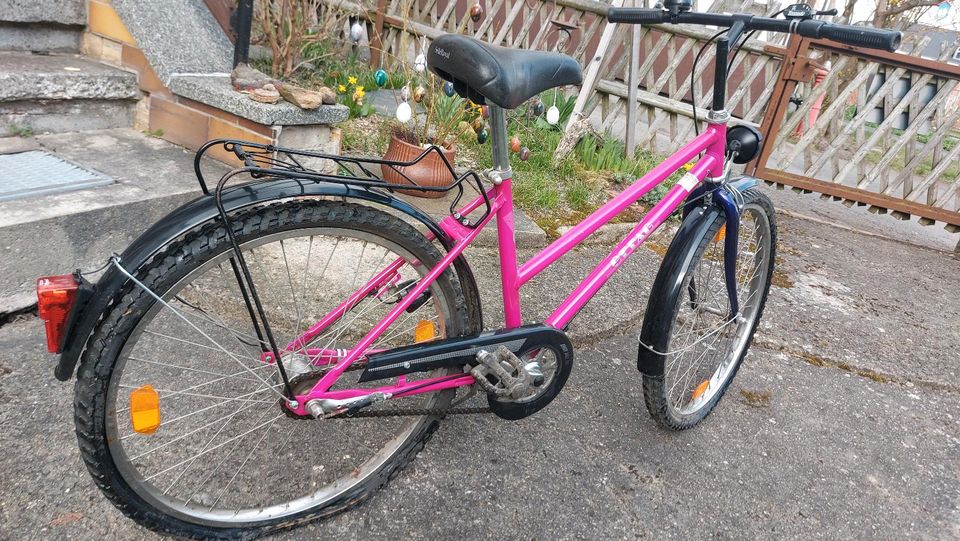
[(63, 92), (42, 25), (54, 234)]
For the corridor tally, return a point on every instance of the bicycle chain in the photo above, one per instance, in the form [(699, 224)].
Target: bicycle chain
[(315, 376)]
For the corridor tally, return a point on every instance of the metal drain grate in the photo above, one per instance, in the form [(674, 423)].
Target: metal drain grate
[(36, 172)]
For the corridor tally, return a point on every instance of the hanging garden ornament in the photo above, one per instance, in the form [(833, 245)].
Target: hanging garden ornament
[(420, 63), (405, 93), (514, 144), (484, 111), (476, 12), (524, 154), (477, 124), (943, 10), (448, 88), (482, 136), (356, 31), (419, 93), (404, 112), (537, 107), (380, 77), (553, 115)]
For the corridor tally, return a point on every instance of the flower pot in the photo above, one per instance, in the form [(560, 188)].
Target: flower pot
[(429, 171)]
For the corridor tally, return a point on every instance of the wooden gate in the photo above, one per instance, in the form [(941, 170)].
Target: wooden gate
[(878, 129)]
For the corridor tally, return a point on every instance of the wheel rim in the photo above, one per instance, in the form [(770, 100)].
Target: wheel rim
[(200, 493), (704, 346)]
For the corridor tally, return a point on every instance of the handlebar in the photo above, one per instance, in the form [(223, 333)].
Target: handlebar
[(858, 36)]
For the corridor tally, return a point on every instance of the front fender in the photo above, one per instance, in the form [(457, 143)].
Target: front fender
[(698, 216), (204, 209)]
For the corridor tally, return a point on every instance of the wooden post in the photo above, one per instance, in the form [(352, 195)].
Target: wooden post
[(593, 69), (376, 45), (632, 82)]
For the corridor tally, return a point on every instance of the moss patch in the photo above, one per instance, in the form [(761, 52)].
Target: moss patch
[(757, 399)]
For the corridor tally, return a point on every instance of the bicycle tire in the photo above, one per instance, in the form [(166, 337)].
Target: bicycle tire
[(176, 261), (664, 312)]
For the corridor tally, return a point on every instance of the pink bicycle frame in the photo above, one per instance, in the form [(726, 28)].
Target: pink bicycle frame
[(711, 144)]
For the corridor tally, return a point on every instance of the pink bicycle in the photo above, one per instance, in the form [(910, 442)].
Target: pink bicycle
[(275, 351)]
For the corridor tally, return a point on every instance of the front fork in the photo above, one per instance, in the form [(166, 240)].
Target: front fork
[(719, 195)]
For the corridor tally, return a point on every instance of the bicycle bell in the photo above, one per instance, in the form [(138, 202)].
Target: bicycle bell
[(678, 6)]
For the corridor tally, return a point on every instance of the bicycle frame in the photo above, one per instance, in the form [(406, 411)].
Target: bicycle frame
[(711, 144)]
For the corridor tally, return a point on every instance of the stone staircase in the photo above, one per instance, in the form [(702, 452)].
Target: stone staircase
[(45, 84)]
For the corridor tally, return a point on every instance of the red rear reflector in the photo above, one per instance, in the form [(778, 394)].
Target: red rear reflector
[(55, 298)]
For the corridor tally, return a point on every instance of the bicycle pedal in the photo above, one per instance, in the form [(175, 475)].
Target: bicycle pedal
[(511, 377)]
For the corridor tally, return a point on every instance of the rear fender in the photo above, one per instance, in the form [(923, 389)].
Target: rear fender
[(204, 209)]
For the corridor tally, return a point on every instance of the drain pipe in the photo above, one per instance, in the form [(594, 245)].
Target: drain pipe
[(242, 21)]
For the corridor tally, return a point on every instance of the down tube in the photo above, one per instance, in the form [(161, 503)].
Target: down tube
[(585, 291)]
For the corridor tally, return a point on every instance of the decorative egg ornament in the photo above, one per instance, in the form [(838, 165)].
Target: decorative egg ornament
[(485, 111), (524, 154), (419, 93), (405, 93), (448, 88), (356, 31), (482, 136), (380, 77), (476, 12), (514, 144), (404, 112), (553, 115), (537, 107), (477, 124), (420, 63)]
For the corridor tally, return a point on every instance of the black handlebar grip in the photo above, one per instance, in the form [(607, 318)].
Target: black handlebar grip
[(861, 36), (636, 15)]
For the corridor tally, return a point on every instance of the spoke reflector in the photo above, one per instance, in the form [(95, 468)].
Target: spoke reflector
[(145, 410), (702, 388), (425, 331), (722, 234)]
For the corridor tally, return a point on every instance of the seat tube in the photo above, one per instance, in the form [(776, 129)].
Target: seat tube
[(501, 176)]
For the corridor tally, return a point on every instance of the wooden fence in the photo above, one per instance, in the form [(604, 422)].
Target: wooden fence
[(885, 137), (873, 143)]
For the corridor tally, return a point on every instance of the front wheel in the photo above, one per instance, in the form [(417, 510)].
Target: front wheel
[(689, 329)]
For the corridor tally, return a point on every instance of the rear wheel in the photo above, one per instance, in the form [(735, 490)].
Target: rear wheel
[(227, 460), (701, 347)]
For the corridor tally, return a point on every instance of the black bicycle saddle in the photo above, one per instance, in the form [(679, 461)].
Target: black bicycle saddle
[(504, 77)]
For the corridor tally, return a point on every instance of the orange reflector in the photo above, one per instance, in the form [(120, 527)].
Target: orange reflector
[(145, 410), (702, 388), (722, 234), (425, 331), (55, 298)]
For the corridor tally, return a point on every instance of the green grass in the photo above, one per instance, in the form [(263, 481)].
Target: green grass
[(20, 131)]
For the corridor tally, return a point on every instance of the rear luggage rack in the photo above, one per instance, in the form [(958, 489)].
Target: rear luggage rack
[(268, 162)]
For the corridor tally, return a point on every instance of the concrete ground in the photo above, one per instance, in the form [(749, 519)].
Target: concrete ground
[(859, 435)]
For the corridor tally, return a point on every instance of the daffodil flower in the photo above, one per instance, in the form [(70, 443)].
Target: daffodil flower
[(352, 80)]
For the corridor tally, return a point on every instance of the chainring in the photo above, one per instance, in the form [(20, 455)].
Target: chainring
[(514, 409)]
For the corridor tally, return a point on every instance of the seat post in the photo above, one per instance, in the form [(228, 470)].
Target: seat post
[(498, 140)]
